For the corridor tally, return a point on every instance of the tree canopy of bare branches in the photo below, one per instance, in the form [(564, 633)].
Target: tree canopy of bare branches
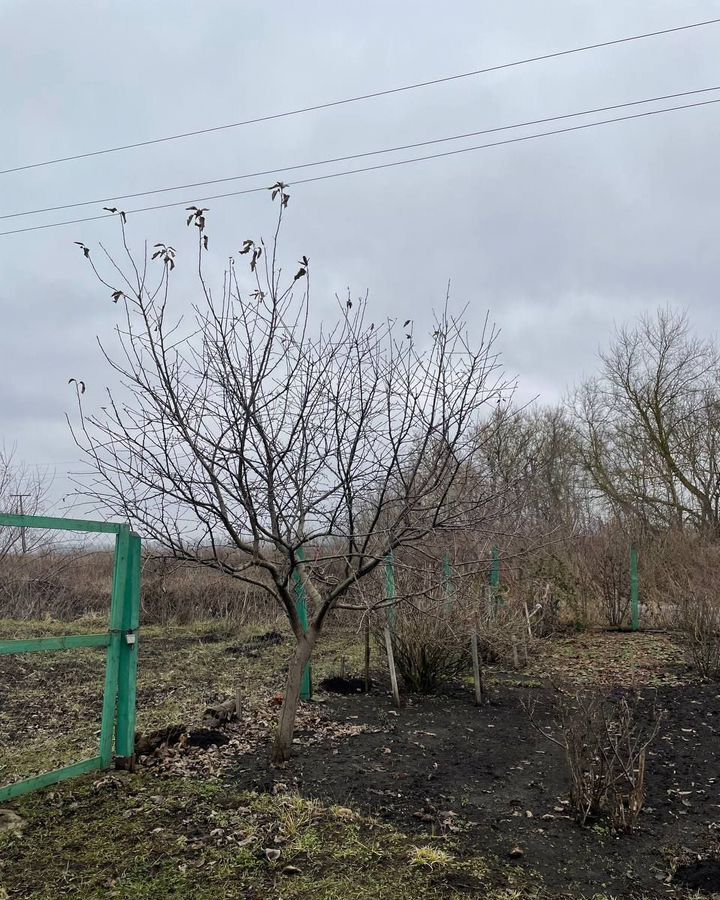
[(649, 424), (253, 439)]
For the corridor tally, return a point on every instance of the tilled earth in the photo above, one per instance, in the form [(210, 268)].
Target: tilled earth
[(439, 765), (491, 778)]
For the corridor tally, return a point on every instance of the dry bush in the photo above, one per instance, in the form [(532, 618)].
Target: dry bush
[(55, 584), (606, 559), (186, 593), (75, 583), (433, 622), (700, 626), (692, 576), (605, 743), (553, 583), (428, 646), (499, 626), (427, 632)]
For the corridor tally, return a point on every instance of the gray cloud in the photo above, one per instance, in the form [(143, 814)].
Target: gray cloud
[(559, 238)]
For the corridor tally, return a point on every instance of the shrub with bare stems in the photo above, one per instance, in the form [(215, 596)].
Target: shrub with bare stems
[(605, 742), (433, 621)]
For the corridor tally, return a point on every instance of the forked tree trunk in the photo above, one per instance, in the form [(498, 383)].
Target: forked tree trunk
[(291, 701)]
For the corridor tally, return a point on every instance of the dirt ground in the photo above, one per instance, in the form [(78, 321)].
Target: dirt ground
[(437, 799), (488, 776)]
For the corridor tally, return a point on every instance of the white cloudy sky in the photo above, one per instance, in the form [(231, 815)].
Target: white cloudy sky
[(559, 238)]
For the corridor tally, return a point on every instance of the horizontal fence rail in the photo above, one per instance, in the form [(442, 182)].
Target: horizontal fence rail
[(55, 523), (67, 642)]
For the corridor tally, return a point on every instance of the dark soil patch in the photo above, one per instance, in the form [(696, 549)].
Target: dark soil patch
[(506, 785), (172, 735), (253, 646), (206, 737), (338, 685), (700, 876)]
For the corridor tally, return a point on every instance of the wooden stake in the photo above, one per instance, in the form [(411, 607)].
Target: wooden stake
[(238, 701), (489, 604), (525, 651), (527, 619), (342, 667), (367, 654), (391, 666), (516, 661), (477, 672)]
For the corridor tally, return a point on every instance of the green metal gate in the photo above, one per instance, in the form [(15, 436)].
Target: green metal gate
[(121, 640)]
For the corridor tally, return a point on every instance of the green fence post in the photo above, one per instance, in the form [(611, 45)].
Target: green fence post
[(634, 590), (390, 591), (495, 576), (448, 586), (127, 679), (120, 573), (301, 607)]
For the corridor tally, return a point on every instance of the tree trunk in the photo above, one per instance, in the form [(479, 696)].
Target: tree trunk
[(291, 701)]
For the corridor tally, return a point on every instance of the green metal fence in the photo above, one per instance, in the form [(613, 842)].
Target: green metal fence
[(117, 734)]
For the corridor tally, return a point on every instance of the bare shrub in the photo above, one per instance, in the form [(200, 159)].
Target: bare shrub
[(428, 647), (606, 557), (685, 568), (67, 585), (497, 628), (694, 585), (700, 625), (433, 622), (553, 583), (428, 625), (605, 743)]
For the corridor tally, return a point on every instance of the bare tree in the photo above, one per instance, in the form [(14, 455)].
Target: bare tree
[(532, 451), (22, 490), (256, 441), (649, 424)]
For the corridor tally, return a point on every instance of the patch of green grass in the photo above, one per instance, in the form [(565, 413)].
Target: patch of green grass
[(50, 703), (131, 836)]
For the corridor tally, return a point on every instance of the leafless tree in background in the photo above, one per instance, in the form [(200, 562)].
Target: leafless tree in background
[(22, 489), (256, 442), (533, 452), (649, 424)]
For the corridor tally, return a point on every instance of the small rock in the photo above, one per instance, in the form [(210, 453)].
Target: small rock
[(10, 821), (516, 852)]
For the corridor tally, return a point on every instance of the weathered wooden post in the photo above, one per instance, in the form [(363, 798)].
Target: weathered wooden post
[(634, 590)]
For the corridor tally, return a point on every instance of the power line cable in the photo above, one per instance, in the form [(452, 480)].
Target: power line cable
[(386, 165), (337, 159), (370, 96)]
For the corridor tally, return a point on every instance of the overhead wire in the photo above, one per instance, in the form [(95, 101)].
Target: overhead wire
[(362, 97), (385, 165), (322, 162)]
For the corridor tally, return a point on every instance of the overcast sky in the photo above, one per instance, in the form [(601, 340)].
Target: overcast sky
[(559, 238)]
